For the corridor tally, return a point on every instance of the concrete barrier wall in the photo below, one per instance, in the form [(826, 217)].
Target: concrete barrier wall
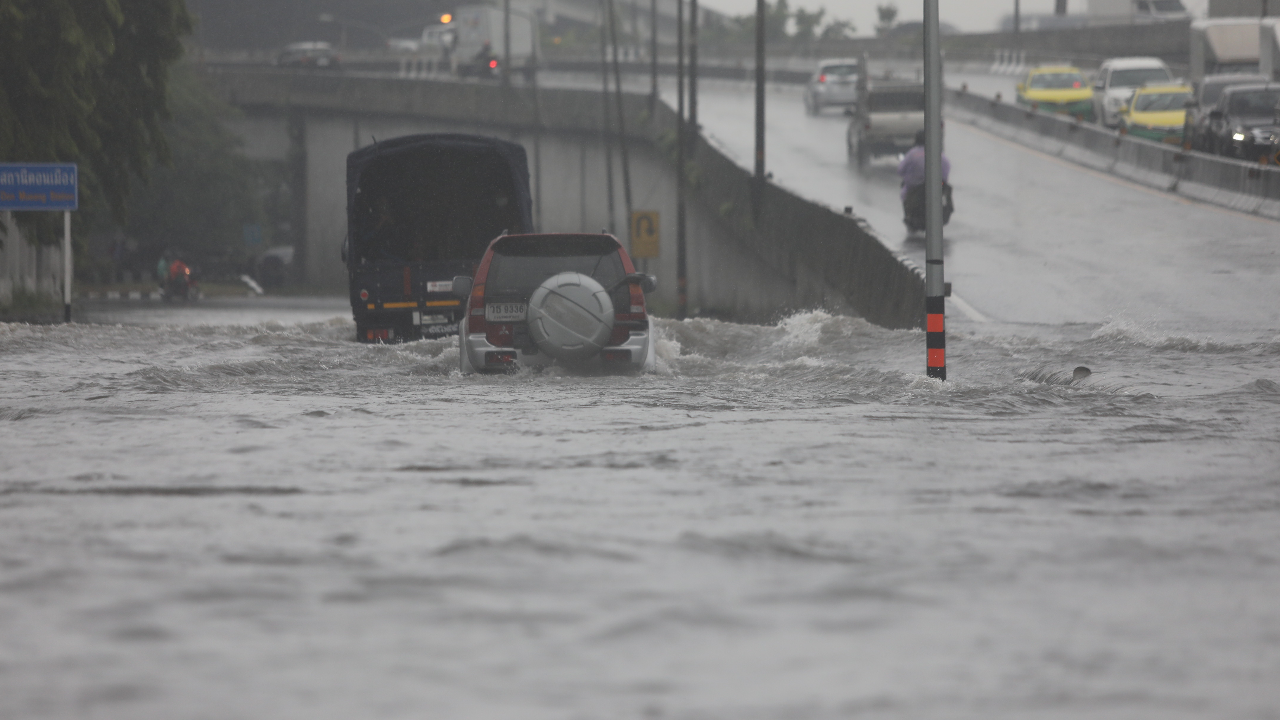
[(1244, 186), (799, 255)]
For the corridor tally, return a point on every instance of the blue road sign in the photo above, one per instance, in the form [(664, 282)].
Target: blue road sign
[(39, 186)]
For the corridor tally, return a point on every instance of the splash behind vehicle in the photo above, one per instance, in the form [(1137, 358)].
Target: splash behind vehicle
[(1057, 89), (570, 299), (888, 117), (1157, 112), (834, 84), (421, 209)]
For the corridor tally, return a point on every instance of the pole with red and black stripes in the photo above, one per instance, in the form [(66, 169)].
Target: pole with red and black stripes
[(934, 287)]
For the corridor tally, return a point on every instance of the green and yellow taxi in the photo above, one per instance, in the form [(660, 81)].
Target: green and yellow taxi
[(1058, 89), (1157, 112)]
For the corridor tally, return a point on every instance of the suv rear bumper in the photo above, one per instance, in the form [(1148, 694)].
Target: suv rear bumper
[(632, 356)]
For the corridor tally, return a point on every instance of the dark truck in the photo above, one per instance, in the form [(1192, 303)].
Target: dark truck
[(422, 209)]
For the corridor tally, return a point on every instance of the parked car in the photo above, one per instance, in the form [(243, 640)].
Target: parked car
[(575, 300), (1244, 123), (1207, 94), (886, 121), (1057, 89), (421, 209), (834, 84), (1157, 112), (318, 55), (1116, 81)]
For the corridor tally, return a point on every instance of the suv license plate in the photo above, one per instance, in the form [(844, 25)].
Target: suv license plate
[(504, 312)]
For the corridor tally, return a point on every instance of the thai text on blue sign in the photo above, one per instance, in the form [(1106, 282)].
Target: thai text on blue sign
[(38, 186)]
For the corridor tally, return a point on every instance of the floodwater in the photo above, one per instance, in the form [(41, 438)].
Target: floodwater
[(209, 518)]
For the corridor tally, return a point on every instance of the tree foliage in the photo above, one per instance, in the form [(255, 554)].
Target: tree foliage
[(197, 204), (85, 81)]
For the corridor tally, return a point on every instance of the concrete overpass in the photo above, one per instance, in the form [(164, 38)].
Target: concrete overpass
[(795, 255)]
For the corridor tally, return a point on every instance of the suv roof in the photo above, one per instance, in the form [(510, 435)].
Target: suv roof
[(1129, 63)]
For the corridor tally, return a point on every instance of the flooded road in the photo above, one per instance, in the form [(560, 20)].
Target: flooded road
[(205, 516)]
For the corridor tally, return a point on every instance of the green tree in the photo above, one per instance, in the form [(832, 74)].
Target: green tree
[(887, 14), (838, 30), (807, 22), (198, 203), (86, 81)]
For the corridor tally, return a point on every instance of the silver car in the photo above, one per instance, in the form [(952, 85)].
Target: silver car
[(834, 84)]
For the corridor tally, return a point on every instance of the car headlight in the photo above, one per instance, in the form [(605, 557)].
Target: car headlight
[(1237, 136)]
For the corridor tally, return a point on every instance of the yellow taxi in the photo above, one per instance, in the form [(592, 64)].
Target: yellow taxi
[(1157, 112), (1059, 89)]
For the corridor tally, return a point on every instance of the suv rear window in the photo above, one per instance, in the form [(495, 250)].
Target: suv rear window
[(521, 264), (910, 100)]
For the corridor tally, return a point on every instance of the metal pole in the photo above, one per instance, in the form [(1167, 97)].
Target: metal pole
[(506, 42), (757, 185), (653, 56), (693, 71), (934, 288), (682, 280), (66, 266), (1017, 16), (604, 109), (622, 122)]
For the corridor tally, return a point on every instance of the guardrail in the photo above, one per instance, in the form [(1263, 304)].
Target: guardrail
[(1236, 184)]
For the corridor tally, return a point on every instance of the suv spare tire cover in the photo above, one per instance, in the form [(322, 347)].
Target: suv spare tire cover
[(570, 317)]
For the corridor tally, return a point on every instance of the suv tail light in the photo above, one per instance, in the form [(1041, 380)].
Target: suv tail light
[(475, 311), (822, 78), (623, 320)]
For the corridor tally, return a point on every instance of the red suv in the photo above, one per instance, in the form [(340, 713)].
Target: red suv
[(575, 300)]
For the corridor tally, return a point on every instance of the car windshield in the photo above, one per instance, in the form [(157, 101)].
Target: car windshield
[(1137, 77), (1057, 80), (1255, 102), (842, 72), (909, 100), (1159, 102), (521, 264)]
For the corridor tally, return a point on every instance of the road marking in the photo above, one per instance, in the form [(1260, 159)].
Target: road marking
[(1115, 178)]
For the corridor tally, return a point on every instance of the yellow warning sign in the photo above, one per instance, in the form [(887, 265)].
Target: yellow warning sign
[(644, 234)]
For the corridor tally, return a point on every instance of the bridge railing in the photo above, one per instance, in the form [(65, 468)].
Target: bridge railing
[(1246, 186)]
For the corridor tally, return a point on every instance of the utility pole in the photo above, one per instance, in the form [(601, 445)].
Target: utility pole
[(757, 185), (622, 122), (693, 71), (1017, 17), (604, 118), (653, 56), (682, 280), (506, 42), (934, 287)]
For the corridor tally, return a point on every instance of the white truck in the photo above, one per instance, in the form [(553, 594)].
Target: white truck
[(480, 41), (1223, 45)]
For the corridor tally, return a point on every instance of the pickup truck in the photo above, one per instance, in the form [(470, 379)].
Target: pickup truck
[(422, 209), (887, 119)]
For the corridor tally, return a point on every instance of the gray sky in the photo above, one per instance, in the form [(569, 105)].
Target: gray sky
[(968, 15)]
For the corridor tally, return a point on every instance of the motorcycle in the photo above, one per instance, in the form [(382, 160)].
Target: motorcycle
[(180, 285), (913, 207)]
